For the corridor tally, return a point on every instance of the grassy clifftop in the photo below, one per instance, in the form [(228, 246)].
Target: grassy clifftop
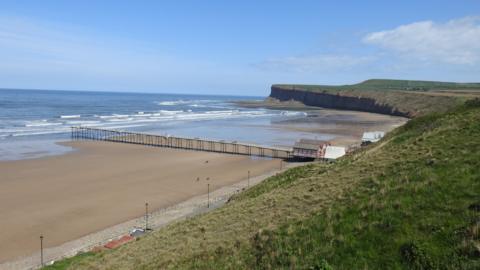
[(384, 84), (410, 201)]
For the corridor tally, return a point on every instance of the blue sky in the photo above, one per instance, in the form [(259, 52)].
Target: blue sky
[(233, 47)]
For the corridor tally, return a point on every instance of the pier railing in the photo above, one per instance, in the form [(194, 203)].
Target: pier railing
[(86, 133)]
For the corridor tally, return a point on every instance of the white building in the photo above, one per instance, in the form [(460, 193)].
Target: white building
[(305, 148), (334, 152), (371, 137)]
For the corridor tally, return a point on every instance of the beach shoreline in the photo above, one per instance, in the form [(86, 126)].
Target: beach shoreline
[(102, 184), (158, 219), (97, 191)]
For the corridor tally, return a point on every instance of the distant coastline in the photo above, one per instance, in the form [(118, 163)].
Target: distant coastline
[(275, 104), (393, 97)]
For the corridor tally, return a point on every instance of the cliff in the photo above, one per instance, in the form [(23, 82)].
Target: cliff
[(336, 101), (392, 97)]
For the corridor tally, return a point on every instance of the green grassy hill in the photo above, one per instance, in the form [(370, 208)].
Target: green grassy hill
[(411, 201), (385, 84)]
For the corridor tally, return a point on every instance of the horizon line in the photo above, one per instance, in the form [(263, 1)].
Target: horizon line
[(123, 92)]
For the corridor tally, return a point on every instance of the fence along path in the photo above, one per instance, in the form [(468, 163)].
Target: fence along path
[(86, 133)]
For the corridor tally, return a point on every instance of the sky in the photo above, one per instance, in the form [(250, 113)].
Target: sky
[(233, 47)]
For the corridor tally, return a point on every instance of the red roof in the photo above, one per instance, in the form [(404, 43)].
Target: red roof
[(118, 242)]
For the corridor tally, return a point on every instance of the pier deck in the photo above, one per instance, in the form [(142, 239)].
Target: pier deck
[(86, 133)]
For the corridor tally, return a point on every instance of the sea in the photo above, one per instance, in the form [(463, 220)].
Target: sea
[(32, 122)]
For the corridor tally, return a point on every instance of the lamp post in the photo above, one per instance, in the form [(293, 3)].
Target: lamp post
[(208, 198), (41, 250), (146, 216), (248, 181)]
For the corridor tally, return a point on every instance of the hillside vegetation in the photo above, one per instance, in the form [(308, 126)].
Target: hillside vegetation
[(411, 201)]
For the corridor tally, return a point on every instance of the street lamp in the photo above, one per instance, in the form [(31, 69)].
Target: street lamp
[(41, 250), (208, 192), (146, 216)]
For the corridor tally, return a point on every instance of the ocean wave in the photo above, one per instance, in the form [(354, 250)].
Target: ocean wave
[(183, 102), (41, 132), (112, 116), (142, 114), (223, 112), (164, 115), (106, 116), (42, 124), (82, 123), (125, 126), (172, 103), (70, 116), (63, 129), (165, 112), (120, 119), (290, 113)]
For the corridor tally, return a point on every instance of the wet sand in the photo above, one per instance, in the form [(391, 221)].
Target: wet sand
[(102, 184), (345, 127)]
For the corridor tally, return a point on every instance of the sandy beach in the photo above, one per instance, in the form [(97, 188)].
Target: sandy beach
[(345, 127), (102, 184)]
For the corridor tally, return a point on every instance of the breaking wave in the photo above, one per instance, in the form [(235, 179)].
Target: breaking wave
[(64, 123)]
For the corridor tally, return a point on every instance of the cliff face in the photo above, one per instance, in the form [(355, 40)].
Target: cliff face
[(336, 101)]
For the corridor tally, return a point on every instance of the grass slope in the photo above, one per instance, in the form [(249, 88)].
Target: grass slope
[(411, 201), (420, 212)]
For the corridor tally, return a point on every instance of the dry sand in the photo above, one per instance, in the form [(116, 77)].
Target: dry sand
[(102, 184)]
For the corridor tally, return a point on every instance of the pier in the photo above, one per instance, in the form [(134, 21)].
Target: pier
[(219, 146)]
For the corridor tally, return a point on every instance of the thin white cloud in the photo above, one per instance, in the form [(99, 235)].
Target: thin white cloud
[(38, 47), (454, 42), (52, 55), (315, 63), (42, 54)]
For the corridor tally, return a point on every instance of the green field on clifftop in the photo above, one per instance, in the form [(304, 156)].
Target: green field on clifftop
[(411, 201), (385, 84)]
